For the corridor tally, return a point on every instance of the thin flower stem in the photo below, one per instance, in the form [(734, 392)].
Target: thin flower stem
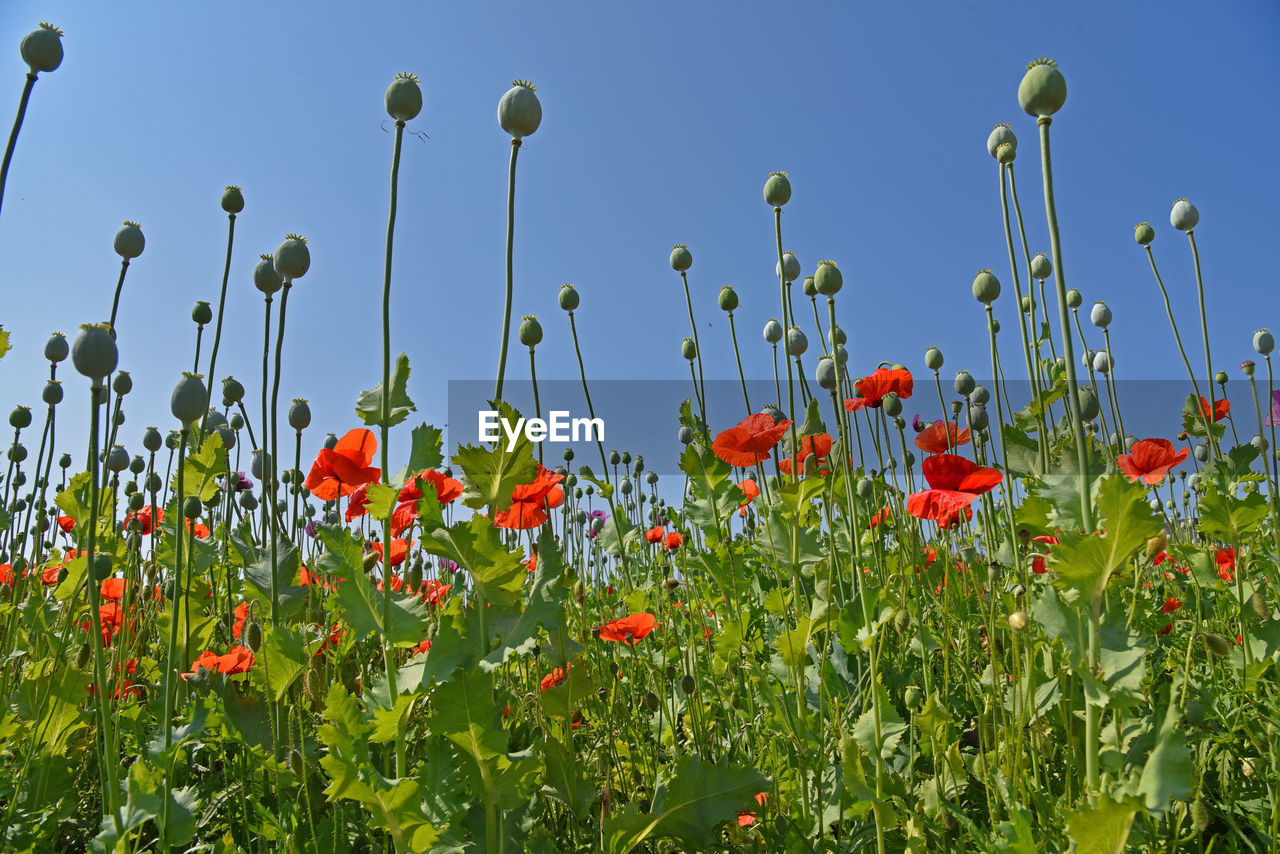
[(1112, 385), (17, 126), (170, 686), (1032, 374), (786, 320), (222, 304), (1004, 456), (269, 466), (1177, 337), (537, 404), (1269, 452), (115, 302), (733, 333), (511, 230), (699, 383), (1204, 329)]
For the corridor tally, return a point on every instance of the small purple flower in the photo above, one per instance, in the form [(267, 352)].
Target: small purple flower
[(311, 528), (1273, 420), (917, 424), (591, 526), (240, 483), (448, 565)]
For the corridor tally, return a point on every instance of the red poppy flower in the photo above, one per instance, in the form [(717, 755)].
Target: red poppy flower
[(750, 491), (674, 541), (1220, 408), (50, 576), (818, 446), (878, 518), (66, 523), (333, 639), (399, 548), (357, 503), (1038, 565), (1226, 560), (242, 614), (955, 484), (125, 687), (396, 581), (112, 617), (555, 677), (113, 589), (403, 516), (1171, 604), (344, 468), (933, 439), (237, 660), (433, 592), (629, 629), (425, 646), (873, 389), (746, 819), (1150, 460), (529, 502), (200, 531), (654, 535), (146, 517), (751, 441), (447, 489)]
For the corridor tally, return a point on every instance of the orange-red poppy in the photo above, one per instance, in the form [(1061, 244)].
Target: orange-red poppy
[(125, 687), (751, 441), (1150, 460), (112, 589), (933, 439), (238, 659), (674, 541), (654, 535), (399, 549), (818, 446), (750, 491), (242, 615), (1226, 561), (1170, 605), (955, 483), (885, 381), (447, 488), (147, 517), (555, 677), (344, 468), (530, 501), (1038, 565), (746, 819), (1220, 408), (112, 618), (629, 629), (433, 592), (66, 523), (357, 503)]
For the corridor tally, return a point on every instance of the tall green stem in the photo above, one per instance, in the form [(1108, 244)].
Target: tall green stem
[(733, 333), (701, 384), (786, 321), (511, 230), (269, 466), (1204, 328), (222, 304), (1042, 440), (170, 686), (17, 126)]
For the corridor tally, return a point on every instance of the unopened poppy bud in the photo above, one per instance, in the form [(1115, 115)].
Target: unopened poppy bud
[(864, 487), (836, 336), (82, 656), (978, 417), (403, 98), (129, 241), (1184, 215), (1018, 621), (1041, 266), (728, 298), (265, 277), (519, 110), (964, 383), (253, 636), (202, 313), (772, 331), (1216, 644), (809, 287), (1074, 299), (979, 396), (1263, 342), (892, 405), (292, 258), (651, 701), (1088, 403), (797, 341), (986, 287), (1102, 362), (56, 348), (1199, 813), (101, 568), (688, 349), (777, 189), (232, 199), (688, 685), (825, 373), (685, 435), (1156, 545), (41, 48), (1000, 135), (1258, 602), (1043, 89), (568, 297), (530, 331), (1100, 315), (902, 621), (20, 417), (299, 414), (189, 399), (788, 267), (913, 697), (828, 279), (933, 358)]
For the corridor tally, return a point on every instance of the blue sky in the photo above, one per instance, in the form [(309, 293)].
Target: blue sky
[(661, 123)]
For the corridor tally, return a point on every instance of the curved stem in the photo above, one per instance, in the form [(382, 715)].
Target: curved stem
[(511, 228), (169, 686), (1204, 328), (17, 126), (222, 304), (1032, 374), (273, 454), (537, 404), (786, 322), (1177, 337), (700, 384), (733, 333)]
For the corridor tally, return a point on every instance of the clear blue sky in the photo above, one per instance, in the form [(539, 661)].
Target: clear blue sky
[(661, 123)]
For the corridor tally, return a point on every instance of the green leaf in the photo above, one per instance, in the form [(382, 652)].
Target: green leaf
[(617, 534), (203, 467), (564, 780), (543, 609), (369, 406), (5, 346), (489, 476), (1086, 561), (1226, 517), (567, 697), (1169, 773), (382, 501), (714, 497), (364, 607), (144, 802), (892, 727), (793, 644), (1103, 829), (285, 651), (688, 806), (425, 452), (388, 722), (477, 547)]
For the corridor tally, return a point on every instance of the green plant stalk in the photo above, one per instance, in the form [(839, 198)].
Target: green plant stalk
[(1091, 745), (733, 333), (511, 228), (1204, 329), (786, 324), (1004, 456), (17, 126), (1093, 380), (169, 685), (115, 302), (1112, 386), (1269, 460), (222, 304), (537, 404), (265, 480), (1177, 337), (269, 471), (700, 384), (1032, 374)]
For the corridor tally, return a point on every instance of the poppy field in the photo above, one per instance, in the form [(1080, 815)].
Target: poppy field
[(1003, 625)]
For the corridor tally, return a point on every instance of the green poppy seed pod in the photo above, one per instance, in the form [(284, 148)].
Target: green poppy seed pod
[(842, 356), (825, 373), (892, 405), (1154, 504), (688, 685), (1088, 403), (248, 502), (964, 383), (625, 485), (836, 336), (681, 258), (772, 330), (827, 279), (331, 442), (265, 277), (1043, 89), (404, 97), (933, 358), (17, 452), (651, 701), (137, 465), (253, 636), (136, 501), (1220, 378), (117, 459), (913, 696), (568, 297), (1184, 215), (20, 417), (101, 568), (52, 393), (202, 314), (129, 241), (1144, 233), (94, 352), (986, 287), (1100, 315), (1041, 266), (192, 507), (728, 298), (232, 199), (1102, 362), (1018, 621), (1263, 342), (979, 396), (530, 331), (41, 48), (777, 189), (520, 111), (122, 383), (232, 390), (1006, 154), (797, 341), (789, 267), (64, 461), (292, 258), (1028, 304), (1248, 366), (189, 399), (1074, 300), (685, 435), (1000, 135), (651, 478), (56, 348), (978, 417), (688, 349), (299, 414), (1259, 443), (236, 422)]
